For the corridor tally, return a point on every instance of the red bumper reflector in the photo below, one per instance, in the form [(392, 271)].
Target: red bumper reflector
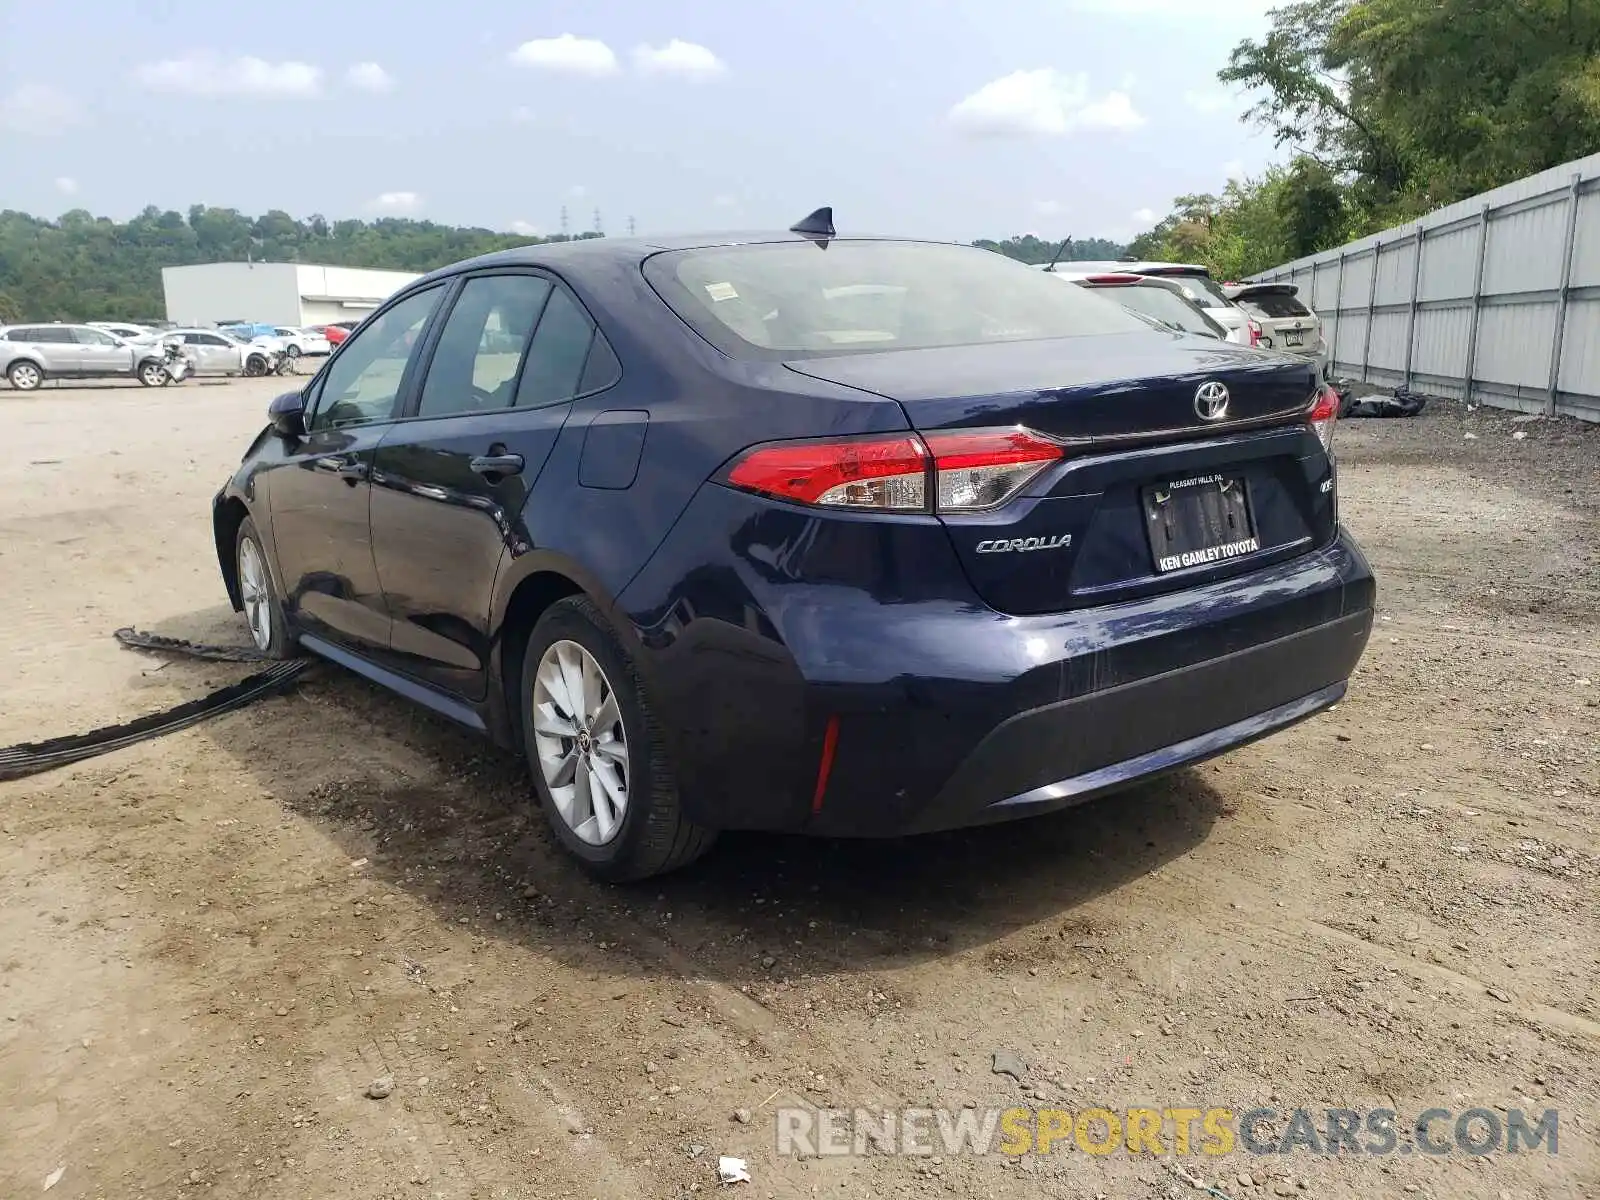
[(830, 741)]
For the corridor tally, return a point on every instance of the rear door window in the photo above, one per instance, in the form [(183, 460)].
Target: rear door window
[(559, 350)]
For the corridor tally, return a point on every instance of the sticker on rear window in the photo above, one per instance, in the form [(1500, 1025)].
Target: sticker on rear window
[(720, 292)]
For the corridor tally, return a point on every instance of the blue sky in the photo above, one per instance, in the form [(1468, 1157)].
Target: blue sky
[(952, 119)]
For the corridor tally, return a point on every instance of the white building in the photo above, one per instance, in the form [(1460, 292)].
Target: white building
[(275, 293)]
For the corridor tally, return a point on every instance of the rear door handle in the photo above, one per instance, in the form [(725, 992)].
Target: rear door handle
[(497, 464)]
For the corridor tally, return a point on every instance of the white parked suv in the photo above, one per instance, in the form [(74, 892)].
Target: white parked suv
[(1198, 287), (1287, 322)]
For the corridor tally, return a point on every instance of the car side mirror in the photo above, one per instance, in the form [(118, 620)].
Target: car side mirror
[(287, 415)]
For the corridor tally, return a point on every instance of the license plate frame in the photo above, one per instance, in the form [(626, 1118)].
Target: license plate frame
[(1199, 521), (1294, 338)]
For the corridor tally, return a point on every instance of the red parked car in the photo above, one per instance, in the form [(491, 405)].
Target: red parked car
[(335, 333)]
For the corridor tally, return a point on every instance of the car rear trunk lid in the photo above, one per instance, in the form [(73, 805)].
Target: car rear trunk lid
[(1158, 487)]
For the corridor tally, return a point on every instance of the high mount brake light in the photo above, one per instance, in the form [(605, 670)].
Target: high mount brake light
[(971, 470), (1324, 413)]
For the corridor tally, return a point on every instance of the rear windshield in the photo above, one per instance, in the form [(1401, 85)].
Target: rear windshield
[(1202, 289), (1164, 306), (810, 300), (1276, 304)]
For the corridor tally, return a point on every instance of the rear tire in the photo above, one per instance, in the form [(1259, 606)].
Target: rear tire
[(25, 376), (263, 610), (652, 836)]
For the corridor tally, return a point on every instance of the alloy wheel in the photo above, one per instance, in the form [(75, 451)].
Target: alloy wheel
[(581, 743), (255, 591), (25, 377)]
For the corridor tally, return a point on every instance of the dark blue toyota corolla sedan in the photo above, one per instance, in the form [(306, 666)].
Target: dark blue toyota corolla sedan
[(802, 532)]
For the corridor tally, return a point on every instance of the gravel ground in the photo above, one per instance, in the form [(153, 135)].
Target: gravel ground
[(215, 943)]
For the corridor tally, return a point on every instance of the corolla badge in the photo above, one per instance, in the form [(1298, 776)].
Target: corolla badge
[(1024, 545), (1211, 401)]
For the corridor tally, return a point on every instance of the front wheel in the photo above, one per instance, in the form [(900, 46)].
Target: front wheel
[(255, 365), (263, 610), (153, 374), (597, 751)]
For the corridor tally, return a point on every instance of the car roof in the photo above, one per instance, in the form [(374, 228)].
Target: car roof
[(601, 250)]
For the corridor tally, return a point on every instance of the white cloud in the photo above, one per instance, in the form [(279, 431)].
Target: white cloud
[(35, 108), (524, 229), (66, 185), (1208, 102), (369, 77), (1042, 103), (396, 204), (1145, 216), (1047, 208), (208, 74), (568, 54), (678, 57)]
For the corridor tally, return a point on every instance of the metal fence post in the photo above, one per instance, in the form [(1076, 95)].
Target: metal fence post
[(1558, 340), (1477, 303), (1338, 313), (1411, 320), (1372, 303)]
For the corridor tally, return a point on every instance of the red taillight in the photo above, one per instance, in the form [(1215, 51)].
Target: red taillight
[(972, 470), (1323, 414), (1114, 280), (1256, 332), (883, 473)]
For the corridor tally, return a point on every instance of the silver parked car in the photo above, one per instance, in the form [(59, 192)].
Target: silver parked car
[(216, 352), (30, 354)]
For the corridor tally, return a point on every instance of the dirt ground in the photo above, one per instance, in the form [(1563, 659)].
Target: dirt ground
[(213, 942)]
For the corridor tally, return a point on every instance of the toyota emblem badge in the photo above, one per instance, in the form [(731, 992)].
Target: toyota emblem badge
[(1211, 401)]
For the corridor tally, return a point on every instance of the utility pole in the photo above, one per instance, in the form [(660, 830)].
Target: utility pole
[(597, 226), (564, 222), (632, 226)]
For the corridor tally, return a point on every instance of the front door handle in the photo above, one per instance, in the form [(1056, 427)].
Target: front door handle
[(351, 470), (490, 465)]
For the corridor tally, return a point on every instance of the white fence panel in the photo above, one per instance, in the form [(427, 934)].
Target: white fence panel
[(1496, 298)]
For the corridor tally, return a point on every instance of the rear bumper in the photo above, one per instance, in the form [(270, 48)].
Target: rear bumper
[(1066, 753), (1138, 690)]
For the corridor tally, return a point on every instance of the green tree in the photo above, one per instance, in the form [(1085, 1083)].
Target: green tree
[(1030, 248)]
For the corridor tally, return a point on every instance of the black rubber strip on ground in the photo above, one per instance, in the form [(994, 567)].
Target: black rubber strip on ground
[(31, 758)]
